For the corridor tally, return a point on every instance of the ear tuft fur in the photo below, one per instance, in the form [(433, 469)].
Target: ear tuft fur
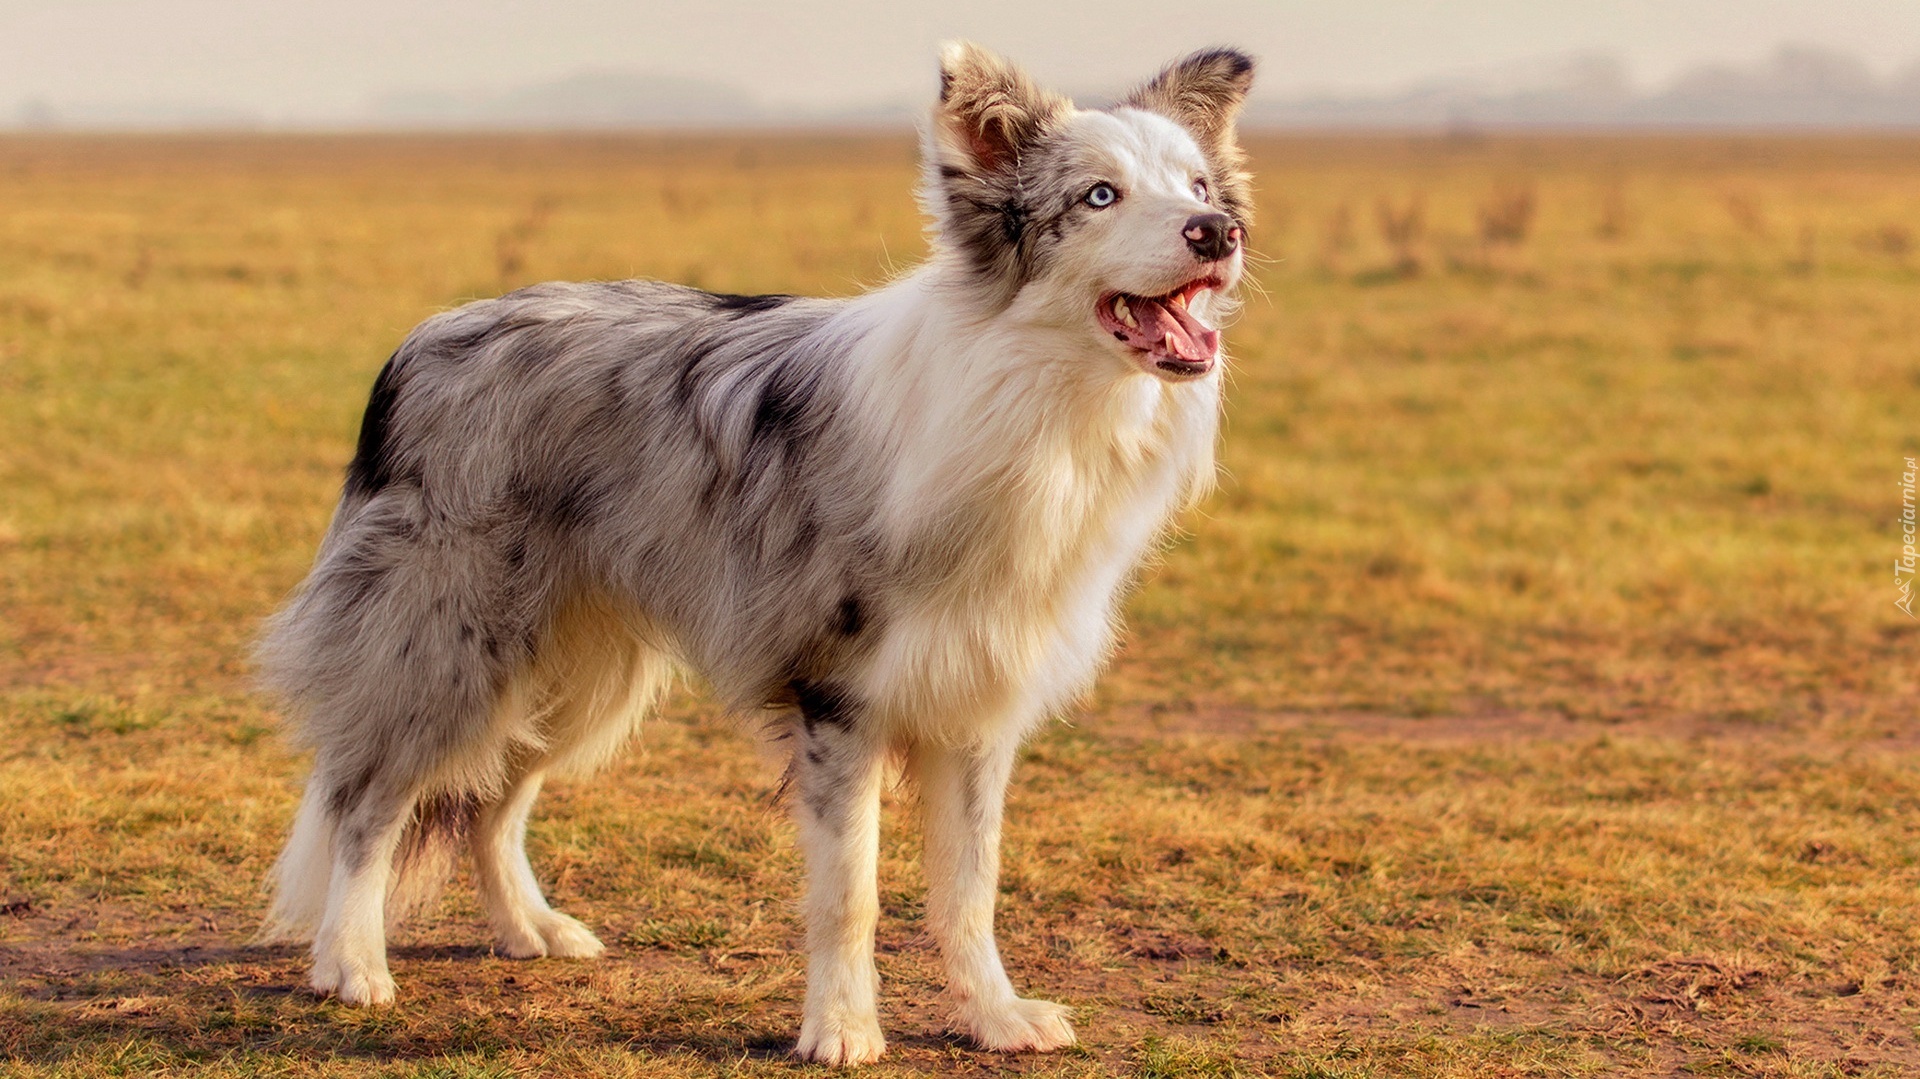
[(1203, 93), (989, 109)]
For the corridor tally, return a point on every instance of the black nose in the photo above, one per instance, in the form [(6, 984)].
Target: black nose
[(1212, 236)]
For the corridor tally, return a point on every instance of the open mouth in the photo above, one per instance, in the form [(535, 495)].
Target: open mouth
[(1162, 328)]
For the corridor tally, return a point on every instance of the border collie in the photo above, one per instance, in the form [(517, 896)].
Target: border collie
[(898, 524)]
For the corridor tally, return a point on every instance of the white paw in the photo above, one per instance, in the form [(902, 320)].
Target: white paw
[(841, 1040), (566, 938), (353, 981), (550, 933), (520, 942), (1016, 1025)]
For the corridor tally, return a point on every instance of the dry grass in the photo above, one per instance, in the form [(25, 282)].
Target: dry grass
[(1531, 699)]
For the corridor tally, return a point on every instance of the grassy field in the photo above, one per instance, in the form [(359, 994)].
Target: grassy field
[(1531, 700)]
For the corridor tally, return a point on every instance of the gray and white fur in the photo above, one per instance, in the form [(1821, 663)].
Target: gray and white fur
[(899, 524)]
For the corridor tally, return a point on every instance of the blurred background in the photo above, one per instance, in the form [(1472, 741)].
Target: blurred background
[(615, 63)]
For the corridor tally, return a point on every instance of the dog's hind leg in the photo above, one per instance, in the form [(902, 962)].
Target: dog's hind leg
[(523, 924), (301, 873), (350, 948), (962, 794), (837, 773), (591, 684)]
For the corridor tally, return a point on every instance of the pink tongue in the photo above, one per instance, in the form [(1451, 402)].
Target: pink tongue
[(1166, 330)]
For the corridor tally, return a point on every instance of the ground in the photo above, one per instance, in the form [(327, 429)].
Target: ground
[(1530, 700)]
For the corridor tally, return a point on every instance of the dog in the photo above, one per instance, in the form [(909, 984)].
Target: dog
[(894, 527)]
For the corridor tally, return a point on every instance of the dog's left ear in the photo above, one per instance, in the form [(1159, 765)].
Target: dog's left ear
[(1203, 93)]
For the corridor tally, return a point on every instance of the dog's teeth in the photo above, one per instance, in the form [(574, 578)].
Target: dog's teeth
[(1179, 300), (1168, 341), (1122, 312)]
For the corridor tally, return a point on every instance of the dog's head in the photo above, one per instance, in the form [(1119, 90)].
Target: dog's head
[(1131, 221)]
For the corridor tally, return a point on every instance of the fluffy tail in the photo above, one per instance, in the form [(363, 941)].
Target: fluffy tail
[(438, 829), (300, 879)]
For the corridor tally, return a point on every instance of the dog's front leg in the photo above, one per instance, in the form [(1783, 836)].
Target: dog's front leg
[(962, 793), (837, 778)]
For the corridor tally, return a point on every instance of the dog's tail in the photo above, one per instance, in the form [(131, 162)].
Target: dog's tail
[(439, 828), (303, 873)]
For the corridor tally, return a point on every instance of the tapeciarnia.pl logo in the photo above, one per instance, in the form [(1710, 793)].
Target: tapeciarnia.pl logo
[(1903, 566)]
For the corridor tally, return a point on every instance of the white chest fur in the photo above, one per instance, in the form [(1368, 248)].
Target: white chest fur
[(1044, 480)]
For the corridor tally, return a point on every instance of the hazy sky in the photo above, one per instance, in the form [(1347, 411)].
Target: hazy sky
[(289, 60)]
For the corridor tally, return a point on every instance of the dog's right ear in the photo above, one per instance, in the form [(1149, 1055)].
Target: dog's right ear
[(1203, 93), (989, 111)]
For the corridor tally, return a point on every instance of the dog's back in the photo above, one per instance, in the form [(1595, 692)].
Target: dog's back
[(565, 438)]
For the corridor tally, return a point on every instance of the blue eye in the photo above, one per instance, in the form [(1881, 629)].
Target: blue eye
[(1102, 196), (1200, 191)]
